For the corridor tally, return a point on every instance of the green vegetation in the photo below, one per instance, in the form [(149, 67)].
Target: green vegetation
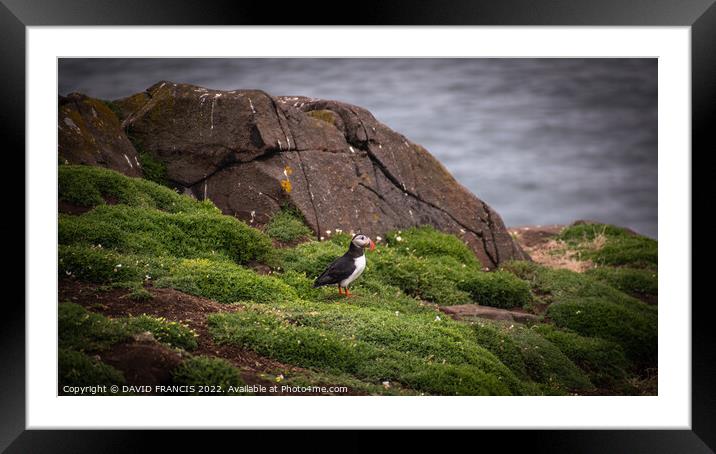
[(152, 168), (91, 186), (430, 279), (602, 360), (99, 265), (390, 337), (310, 378), (311, 258), (287, 226), (78, 369), (594, 309), (140, 294), (224, 282), (498, 289), (325, 349), (531, 356), (135, 230), (82, 333), (82, 330), (205, 371), (116, 110), (85, 331), (406, 338), (427, 242), (635, 282), (613, 246), (423, 263), (172, 333), (632, 327)]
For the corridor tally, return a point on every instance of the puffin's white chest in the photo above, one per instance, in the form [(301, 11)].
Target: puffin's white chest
[(360, 266)]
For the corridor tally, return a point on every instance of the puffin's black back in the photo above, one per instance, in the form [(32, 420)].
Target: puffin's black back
[(340, 268)]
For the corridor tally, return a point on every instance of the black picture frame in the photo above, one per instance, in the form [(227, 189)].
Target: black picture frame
[(700, 15)]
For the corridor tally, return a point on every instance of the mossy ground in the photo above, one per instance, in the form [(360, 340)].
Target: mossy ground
[(78, 369), (612, 246), (636, 282), (389, 338), (423, 263), (82, 334), (86, 331), (592, 308), (210, 372), (287, 226)]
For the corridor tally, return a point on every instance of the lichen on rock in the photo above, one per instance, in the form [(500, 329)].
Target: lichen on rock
[(90, 133)]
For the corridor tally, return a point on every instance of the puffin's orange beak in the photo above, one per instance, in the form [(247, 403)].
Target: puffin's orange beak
[(372, 245)]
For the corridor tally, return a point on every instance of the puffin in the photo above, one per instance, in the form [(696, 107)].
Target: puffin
[(348, 267)]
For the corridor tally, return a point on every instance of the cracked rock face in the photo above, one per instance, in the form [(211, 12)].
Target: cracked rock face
[(251, 153)]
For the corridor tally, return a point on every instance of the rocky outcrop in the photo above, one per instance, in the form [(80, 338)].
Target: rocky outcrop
[(471, 312), (252, 153), (90, 133)]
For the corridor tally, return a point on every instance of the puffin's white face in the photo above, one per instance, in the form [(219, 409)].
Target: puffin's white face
[(363, 242)]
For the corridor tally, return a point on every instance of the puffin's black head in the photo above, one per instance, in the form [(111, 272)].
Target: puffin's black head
[(363, 241)]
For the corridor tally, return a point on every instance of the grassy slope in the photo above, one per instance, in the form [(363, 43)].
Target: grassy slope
[(83, 334), (138, 233)]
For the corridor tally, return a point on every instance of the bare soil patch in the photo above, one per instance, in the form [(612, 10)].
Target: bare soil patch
[(542, 245), (143, 362), (66, 207)]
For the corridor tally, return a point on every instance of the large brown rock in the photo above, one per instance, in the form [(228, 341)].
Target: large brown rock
[(90, 133), (251, 153), (471, 312)]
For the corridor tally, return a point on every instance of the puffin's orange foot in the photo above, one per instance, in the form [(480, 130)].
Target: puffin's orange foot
[(348, 293), (339, 290)]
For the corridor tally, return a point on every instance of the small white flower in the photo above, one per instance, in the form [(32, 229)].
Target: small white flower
[(397, 313), (437, 318), (386, 384), (378, 238), (578, 312), (398, 239), (119, 265), (322, 238), (339, 231), (328, 232)]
